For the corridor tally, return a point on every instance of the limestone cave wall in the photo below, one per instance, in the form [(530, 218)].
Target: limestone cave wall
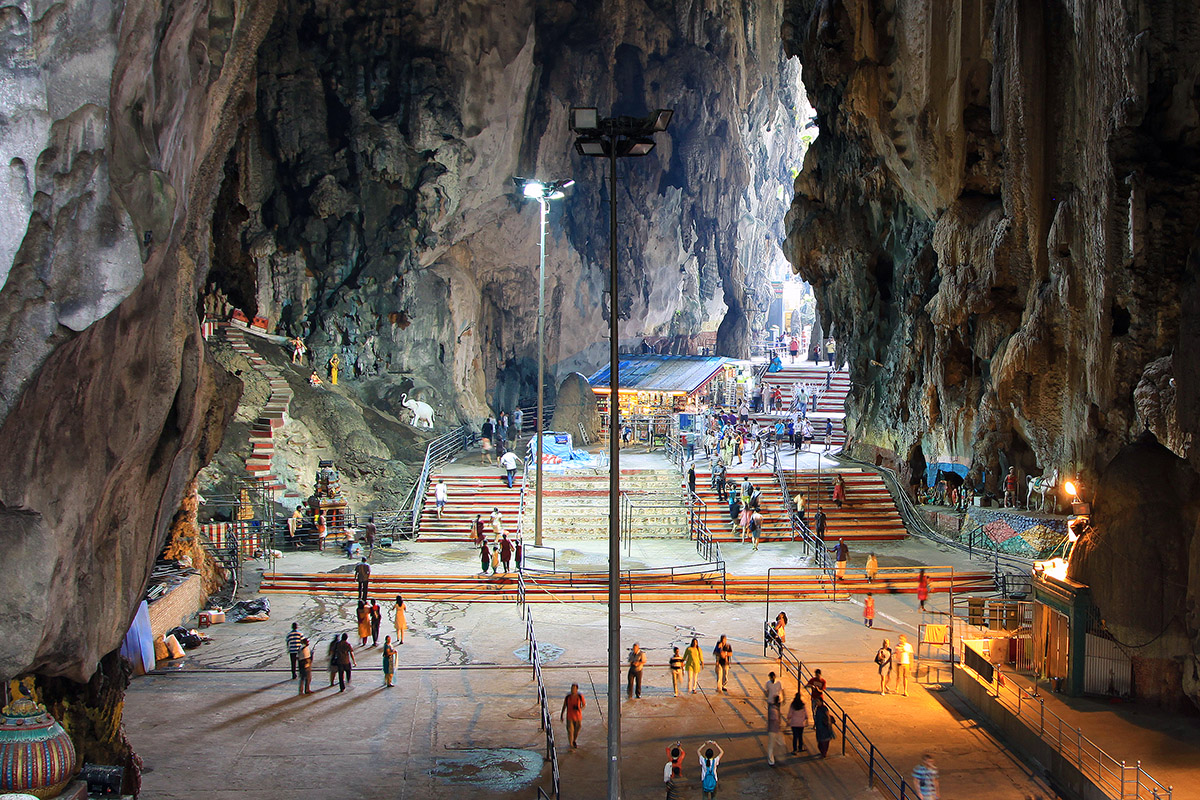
[(117, 120), (999, 223), (344, 171), (369, 204)]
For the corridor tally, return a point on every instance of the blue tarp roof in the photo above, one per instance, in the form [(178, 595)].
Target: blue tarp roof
[(661, 373)]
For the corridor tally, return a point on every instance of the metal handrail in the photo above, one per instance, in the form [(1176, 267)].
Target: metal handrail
[(532, 552), (529, 417), (547, 721), (521, 504), (671, 574), (881, 773), (438, 453), (635, 501), (1105, 772), (915, 522), (800, 528)]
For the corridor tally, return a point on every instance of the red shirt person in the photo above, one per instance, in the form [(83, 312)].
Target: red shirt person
[(572, 709)]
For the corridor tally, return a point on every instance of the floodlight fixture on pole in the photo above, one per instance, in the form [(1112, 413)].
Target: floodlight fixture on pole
[(543, 193), (613, 138)]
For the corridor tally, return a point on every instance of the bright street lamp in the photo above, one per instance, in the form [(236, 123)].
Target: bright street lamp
[(613, 138), (543, 193)]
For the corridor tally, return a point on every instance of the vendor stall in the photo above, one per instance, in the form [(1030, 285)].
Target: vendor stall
[(657, 389)]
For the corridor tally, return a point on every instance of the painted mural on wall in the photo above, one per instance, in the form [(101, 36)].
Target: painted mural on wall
[(1020, 535)]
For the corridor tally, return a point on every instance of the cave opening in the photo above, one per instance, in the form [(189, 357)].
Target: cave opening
[(884, 271), (1121, 321), (916, 467), (1021, 455), (233, 272)]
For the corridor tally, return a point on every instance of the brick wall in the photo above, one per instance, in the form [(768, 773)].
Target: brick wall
[(176, 606)]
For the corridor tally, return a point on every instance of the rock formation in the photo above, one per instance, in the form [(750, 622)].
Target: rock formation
[(344, 171), (998, 219), (369, 205), (108, 406), (576, 410)]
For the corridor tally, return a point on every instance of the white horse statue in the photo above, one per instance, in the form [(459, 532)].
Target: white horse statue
[(1045, 486), (422, 412)]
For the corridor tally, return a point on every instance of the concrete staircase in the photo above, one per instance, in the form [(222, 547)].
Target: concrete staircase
[(775, 523), (467, 496), (261, 464), (830, 406), (576, 506), (868, 515)]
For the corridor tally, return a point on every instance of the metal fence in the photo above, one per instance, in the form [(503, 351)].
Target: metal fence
[(813, 544), (706, 546), (1003, 563), (547, 719), (1115, 778), (438, 453), (521, 504), (712, 573), (637, 506), (881, 773), (540, 554)]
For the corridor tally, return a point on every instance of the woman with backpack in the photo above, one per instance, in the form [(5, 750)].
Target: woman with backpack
[(710, 759)]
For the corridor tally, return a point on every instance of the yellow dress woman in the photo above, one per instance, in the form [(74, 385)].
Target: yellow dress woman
[(334, 361)]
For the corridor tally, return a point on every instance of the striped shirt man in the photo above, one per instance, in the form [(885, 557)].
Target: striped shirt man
[(295, 640)]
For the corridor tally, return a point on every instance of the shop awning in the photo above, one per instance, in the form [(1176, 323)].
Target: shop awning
[(648, 373)]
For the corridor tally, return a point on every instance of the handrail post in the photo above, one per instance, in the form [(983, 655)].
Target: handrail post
[(871, 768), (843, 731)]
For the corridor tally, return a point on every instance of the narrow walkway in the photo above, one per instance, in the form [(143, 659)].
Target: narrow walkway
[(1168, 745)]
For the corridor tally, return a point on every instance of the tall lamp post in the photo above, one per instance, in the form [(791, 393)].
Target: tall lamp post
[(543, 193), (613, 138)]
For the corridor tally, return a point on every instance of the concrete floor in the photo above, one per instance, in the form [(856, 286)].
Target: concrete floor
[(463, 717)]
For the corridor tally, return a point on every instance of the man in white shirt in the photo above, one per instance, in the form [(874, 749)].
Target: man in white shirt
[(773, 689), (509, 461), (904, 659), (439, 497), (774, 692)]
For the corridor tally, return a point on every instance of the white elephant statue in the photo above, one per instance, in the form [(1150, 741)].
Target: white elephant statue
[(422, 412)]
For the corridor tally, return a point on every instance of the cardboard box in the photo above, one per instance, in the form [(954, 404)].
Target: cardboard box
[(211, 617)]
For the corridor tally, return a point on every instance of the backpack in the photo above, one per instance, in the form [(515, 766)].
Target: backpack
[(708, 782)]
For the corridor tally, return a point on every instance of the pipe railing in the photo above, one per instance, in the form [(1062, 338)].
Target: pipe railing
[(665, 503), (529, 418), (547, 719), (881, 773), (673, 450), (533, 552), (406, 520), (521, 504), (640, 578), (915, 522), (1114, 777)]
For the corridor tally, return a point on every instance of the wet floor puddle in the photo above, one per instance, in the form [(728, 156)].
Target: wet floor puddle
[(499, 769)]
